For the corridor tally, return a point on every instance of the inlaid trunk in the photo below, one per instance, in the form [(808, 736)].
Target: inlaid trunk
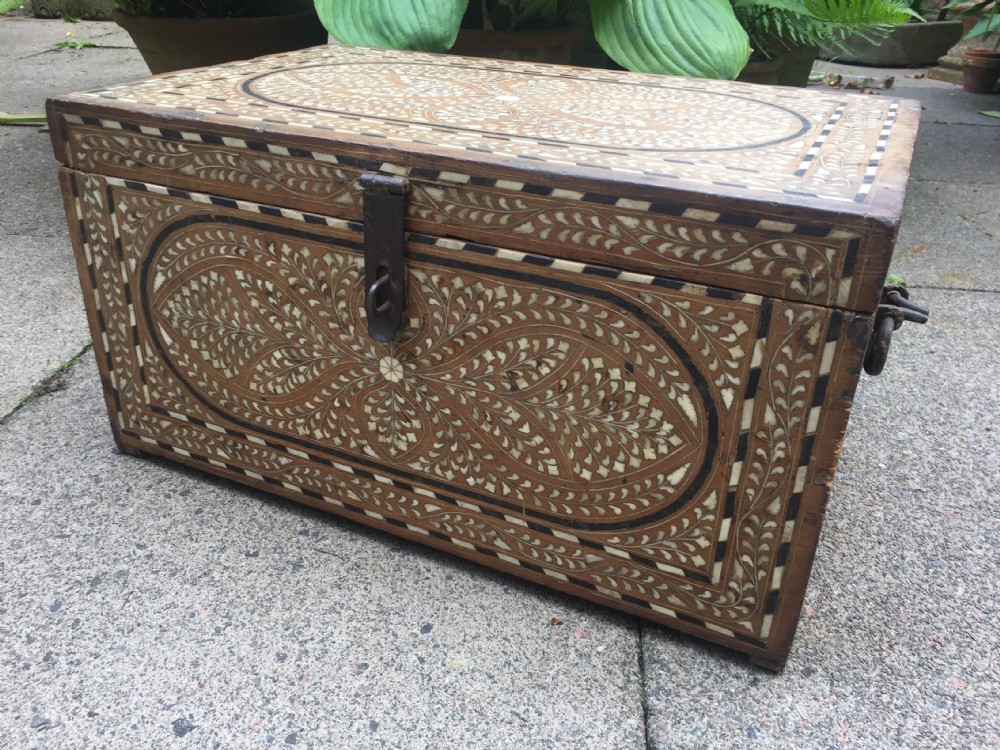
[(630, 312)]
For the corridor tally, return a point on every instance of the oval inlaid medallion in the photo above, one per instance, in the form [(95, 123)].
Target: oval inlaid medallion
[(537, 107), (556, 399)]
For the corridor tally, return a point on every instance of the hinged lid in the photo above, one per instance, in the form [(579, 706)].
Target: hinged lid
[(784, 192)]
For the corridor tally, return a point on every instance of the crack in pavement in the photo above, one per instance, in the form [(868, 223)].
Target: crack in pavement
[(51, 383), (953, 289)]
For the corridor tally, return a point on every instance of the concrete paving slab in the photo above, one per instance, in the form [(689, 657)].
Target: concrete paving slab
[(30, 202), (946, 104), (897, 644), (975, 147), (146, 605), (939, 246), (43, 320), (42, 323), (24, 37), (977, 204)]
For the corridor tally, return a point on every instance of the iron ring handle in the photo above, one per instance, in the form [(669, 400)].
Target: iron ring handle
[(894, 309), (878, 345), (381, 283)]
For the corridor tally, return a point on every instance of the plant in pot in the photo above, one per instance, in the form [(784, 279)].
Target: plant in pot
[(796, 29), (921, 41), (177, 34), (981, 65), (699, 38)]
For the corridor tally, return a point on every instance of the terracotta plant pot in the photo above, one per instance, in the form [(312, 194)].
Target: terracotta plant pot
[(176, 43), (762, 71), (546, 46), (980, 70)]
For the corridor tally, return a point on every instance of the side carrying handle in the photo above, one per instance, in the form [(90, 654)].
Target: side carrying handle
[(385, 262), (894, 310)]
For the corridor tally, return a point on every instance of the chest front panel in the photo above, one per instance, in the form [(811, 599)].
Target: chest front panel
[(631, 438)]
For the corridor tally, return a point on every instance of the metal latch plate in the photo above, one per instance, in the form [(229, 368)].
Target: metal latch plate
[(385, 262)]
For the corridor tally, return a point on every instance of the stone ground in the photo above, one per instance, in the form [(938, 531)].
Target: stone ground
[(144, 605)]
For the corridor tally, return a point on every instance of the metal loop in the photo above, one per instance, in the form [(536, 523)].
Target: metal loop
[(378, 288), (878, 346)]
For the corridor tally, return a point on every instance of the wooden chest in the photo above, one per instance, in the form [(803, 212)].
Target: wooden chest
[(598, 330)]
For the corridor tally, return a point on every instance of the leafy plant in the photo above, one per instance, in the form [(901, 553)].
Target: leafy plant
[(681, 37), (704, 38), (74, 44), (811, 22), (8, 5), (698, 38)]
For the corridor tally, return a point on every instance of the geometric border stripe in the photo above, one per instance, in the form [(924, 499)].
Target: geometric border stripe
[(876, 157), (820, 140)]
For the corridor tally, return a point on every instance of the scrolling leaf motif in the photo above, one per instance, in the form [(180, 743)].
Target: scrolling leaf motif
[(267, 173), (805, 270)]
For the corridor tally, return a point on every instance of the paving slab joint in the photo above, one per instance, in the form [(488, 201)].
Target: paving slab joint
[(49, 384), (643, 693), (938, 288)]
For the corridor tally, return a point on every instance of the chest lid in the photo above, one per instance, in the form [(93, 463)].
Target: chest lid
[(788, 193)]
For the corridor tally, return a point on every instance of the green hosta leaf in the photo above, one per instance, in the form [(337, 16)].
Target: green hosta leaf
[(429, 25), (990, 112), (699, 38)]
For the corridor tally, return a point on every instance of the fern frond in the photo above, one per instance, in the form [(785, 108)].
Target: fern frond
[(812, 22)]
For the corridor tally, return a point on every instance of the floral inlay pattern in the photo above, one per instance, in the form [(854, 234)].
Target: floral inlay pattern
[(540, 107), (504, 387)]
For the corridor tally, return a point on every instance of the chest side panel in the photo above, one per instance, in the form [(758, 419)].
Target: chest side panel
[(633, 439)]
